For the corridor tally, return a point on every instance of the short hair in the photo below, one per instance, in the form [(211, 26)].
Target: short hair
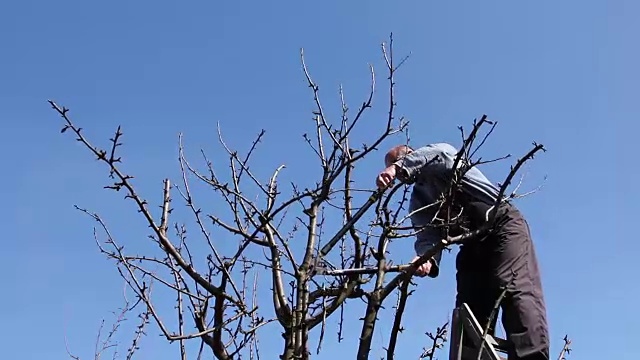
[(397, 152)]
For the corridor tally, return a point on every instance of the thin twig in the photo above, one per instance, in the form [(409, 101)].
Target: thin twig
[(566, 350)]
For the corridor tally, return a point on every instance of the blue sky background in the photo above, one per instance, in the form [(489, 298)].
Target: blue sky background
[(563, 74)]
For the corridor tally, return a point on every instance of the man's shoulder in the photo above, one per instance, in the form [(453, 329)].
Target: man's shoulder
[(442, 146)]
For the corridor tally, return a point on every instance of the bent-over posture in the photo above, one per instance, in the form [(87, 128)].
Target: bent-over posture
[(504, 258)]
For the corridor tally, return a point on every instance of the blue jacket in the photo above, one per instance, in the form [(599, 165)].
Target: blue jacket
[(429, 169)]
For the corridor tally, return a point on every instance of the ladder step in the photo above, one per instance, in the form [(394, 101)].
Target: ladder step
[(465, 322), (501, 344), (470, 353)]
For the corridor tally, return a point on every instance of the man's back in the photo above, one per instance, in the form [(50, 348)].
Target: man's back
[(432, 167)]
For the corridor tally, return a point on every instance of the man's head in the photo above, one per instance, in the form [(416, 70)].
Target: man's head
[(396, 153)]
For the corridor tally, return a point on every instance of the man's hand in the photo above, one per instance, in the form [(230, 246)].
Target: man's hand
[(424, 269), (386, 177)]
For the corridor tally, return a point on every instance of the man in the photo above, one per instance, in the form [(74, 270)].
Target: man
[(504, 258)]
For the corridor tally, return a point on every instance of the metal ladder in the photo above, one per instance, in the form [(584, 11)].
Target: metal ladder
[(464, 322)]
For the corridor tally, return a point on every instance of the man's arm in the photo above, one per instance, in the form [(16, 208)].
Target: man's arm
[(433, 158), (426, 238)]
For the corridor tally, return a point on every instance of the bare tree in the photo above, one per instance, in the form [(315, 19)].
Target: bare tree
[(283, 229)]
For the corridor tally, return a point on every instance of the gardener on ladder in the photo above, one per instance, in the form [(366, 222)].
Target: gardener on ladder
[(506, 257)]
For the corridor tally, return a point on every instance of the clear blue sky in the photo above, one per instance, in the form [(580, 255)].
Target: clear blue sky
[(563, 74)]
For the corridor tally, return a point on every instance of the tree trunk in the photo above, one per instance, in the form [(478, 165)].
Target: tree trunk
[(368, 326)]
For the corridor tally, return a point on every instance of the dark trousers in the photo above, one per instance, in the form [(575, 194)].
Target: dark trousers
[(506, 258)]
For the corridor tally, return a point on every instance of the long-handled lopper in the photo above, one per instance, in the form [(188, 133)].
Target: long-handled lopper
[(323, 270), (318, 262)]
